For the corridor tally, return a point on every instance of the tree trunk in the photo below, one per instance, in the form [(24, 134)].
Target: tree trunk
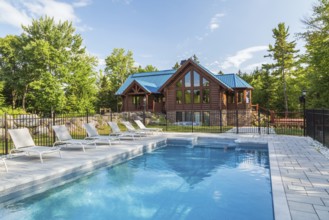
[(285, 93), (14, 99), (24, 97)]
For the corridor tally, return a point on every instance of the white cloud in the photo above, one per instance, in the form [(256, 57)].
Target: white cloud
[(59, 10), (81, 3), (241, 57), (214, 22), (12, 16), (20, 12)]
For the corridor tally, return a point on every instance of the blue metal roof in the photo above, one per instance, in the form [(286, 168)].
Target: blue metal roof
[(150, 81), (233, 80)]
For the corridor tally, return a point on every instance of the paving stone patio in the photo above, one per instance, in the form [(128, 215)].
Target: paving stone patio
[(299, 173)]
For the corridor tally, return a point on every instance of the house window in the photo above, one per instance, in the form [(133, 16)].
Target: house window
[(136, 101), (230, 98), (179, 116), (179, 97), (205, 82), (179, 84), (205, 118), (197, 117), (196, 79), (196, 96), (247, 96), (205, 96), (192, 88), (188, 116), (188, 96), (240, 96), (188, 79)]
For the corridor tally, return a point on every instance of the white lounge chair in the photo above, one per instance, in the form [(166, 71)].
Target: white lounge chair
[(23, 142), (142, 127), (63, 137), (132, 129), (116, 131), (93, 135), (3, 160)]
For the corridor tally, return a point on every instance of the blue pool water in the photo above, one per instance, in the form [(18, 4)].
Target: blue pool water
[(170, 183)]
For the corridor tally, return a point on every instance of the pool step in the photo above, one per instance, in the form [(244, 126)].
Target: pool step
[(182, 141)]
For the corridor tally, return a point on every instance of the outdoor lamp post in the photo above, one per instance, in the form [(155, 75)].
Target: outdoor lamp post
[(144, 109), (302, 100)]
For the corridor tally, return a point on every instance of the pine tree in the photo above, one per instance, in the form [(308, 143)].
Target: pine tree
[(283, 53)]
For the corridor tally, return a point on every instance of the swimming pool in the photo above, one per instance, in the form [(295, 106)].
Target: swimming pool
[(174, 182)]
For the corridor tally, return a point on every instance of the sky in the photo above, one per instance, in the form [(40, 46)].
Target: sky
[(226, 35)]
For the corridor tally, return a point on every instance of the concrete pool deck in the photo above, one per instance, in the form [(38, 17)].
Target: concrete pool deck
[(299, 173)]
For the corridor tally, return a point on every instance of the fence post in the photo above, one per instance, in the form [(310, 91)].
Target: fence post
[(258, 113), (54, 123), (192, 120), (237, 120), (313, 123), (6, 134), (111, 116)]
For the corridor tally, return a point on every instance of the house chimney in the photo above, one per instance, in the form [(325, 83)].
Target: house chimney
[(182, 62)]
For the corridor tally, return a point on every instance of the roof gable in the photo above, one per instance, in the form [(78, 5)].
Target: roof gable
[(186, 65)]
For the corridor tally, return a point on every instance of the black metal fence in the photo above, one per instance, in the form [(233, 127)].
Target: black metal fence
[(317, 125), (259, 121), (40, 126)]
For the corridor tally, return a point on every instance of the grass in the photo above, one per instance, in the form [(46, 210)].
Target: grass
[(289, 131)]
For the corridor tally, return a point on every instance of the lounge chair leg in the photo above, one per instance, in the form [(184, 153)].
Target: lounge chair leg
[(41, 158), (60, 155)]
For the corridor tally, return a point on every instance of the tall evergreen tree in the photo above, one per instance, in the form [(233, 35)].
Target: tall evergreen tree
[(176, 66), (317, 55), (283, 53)]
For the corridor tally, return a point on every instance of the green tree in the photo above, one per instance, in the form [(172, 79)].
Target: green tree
[(195, 58), (176, 66), (105, 97), (119, 65), (283, 53), (54, 52), (317, 55), (148, 68), (11, 67)]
